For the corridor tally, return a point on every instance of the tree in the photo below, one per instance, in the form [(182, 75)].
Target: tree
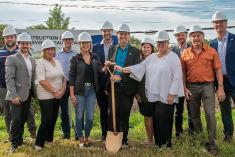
[(56, 20), (2, 26), (135, 42)]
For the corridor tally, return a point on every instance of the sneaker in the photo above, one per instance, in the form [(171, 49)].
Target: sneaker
[(38, 148), (81, 145), (13, 149), (212, 148)]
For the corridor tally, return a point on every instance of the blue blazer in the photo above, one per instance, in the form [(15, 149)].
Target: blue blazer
[(98, 49), (230, 56)]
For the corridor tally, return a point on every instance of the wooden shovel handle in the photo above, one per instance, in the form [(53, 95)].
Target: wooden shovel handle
[(113, 103)]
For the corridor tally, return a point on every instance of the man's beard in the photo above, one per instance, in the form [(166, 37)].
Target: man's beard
[(11, 45)]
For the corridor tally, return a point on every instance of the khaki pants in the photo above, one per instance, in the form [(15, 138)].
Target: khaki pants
[(203, 92)]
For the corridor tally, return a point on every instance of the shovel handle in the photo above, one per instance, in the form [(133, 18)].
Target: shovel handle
[(113, 106)]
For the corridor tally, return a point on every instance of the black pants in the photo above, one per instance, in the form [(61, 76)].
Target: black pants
[(64, 115), (162, 123), (49, 113), (102, 100), (226, 109), (123, 107), (19, 115)]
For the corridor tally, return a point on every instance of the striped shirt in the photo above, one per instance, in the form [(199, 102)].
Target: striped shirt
[(4, 53)]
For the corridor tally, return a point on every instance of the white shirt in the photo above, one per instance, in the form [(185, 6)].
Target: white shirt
[(222, 46), (53, 74), (29, 67), (106, 49), (163, 76)]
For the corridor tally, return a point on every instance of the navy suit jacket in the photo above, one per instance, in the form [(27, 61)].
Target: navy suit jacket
[(99, 50), (230, 56)]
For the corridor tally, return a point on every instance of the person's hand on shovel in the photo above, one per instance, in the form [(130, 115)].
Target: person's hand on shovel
[(115, 78)]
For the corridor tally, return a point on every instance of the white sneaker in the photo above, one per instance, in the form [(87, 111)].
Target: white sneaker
[(38, 148), (81, 145)]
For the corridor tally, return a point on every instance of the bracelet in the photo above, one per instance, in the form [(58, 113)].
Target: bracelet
[(220, 85)]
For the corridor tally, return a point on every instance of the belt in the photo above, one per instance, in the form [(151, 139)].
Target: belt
[(199, 83), (88, 84)]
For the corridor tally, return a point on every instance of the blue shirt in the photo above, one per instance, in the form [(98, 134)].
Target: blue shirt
[(64, 59), (121, 58), (4, 53), (222, 45)]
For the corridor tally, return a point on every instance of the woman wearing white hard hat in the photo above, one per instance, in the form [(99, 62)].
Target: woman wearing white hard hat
[(83, 80), (51, 87), (145, 107), (163, 86)]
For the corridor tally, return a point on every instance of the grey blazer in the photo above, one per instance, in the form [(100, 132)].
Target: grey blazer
[(17, 77)]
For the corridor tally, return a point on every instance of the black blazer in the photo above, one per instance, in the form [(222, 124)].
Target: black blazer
[(133, 57), (77, 72)]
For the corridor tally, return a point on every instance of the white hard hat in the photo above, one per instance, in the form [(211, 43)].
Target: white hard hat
[(9, 30), (48, 44), (67, 35), (147, 40), (218, 16), (162, 36), (124, 28), (24, 37), (179, 29), (107, 25), (195, 28), (84, 36)]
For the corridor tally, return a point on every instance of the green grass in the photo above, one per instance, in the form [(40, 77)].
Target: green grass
[(184, 147)]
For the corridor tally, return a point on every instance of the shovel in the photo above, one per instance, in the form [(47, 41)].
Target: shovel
[(113, 139)]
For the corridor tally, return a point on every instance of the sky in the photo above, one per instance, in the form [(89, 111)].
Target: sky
[(140, 15)]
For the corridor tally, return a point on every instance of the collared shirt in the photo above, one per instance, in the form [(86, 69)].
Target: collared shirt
[(200, 67), (4, 53), (106, 49), (64, 59), (222, 45), (121, 57), (29, 66), (163, 76), (181, 49)]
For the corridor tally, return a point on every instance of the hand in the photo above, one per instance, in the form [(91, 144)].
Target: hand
[(187, 93), (170, 99), (138, 98), (115, 78), (16, 101), (107, 63), (57, 94), (221, 94), (118, 68), (73, 100)]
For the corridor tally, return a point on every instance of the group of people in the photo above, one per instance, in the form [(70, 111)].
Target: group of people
[(161, 82)]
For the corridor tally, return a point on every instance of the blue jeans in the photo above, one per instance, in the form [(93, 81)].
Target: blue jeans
[(226, 109), (86, 103)]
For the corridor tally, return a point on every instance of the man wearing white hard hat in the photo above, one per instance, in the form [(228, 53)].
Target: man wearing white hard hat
[(19, 81), (102, 50), (51, 88), (224, 43), (123, 55), (64, 56), (201, 66), (11, 48), (163, 86), (180, 33)]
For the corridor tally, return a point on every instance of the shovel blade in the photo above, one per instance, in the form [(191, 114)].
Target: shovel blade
[(113, 141)]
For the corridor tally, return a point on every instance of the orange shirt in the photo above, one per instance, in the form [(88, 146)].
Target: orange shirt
[(200, 67)]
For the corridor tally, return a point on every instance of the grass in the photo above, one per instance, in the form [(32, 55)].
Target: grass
[(184, 147)]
